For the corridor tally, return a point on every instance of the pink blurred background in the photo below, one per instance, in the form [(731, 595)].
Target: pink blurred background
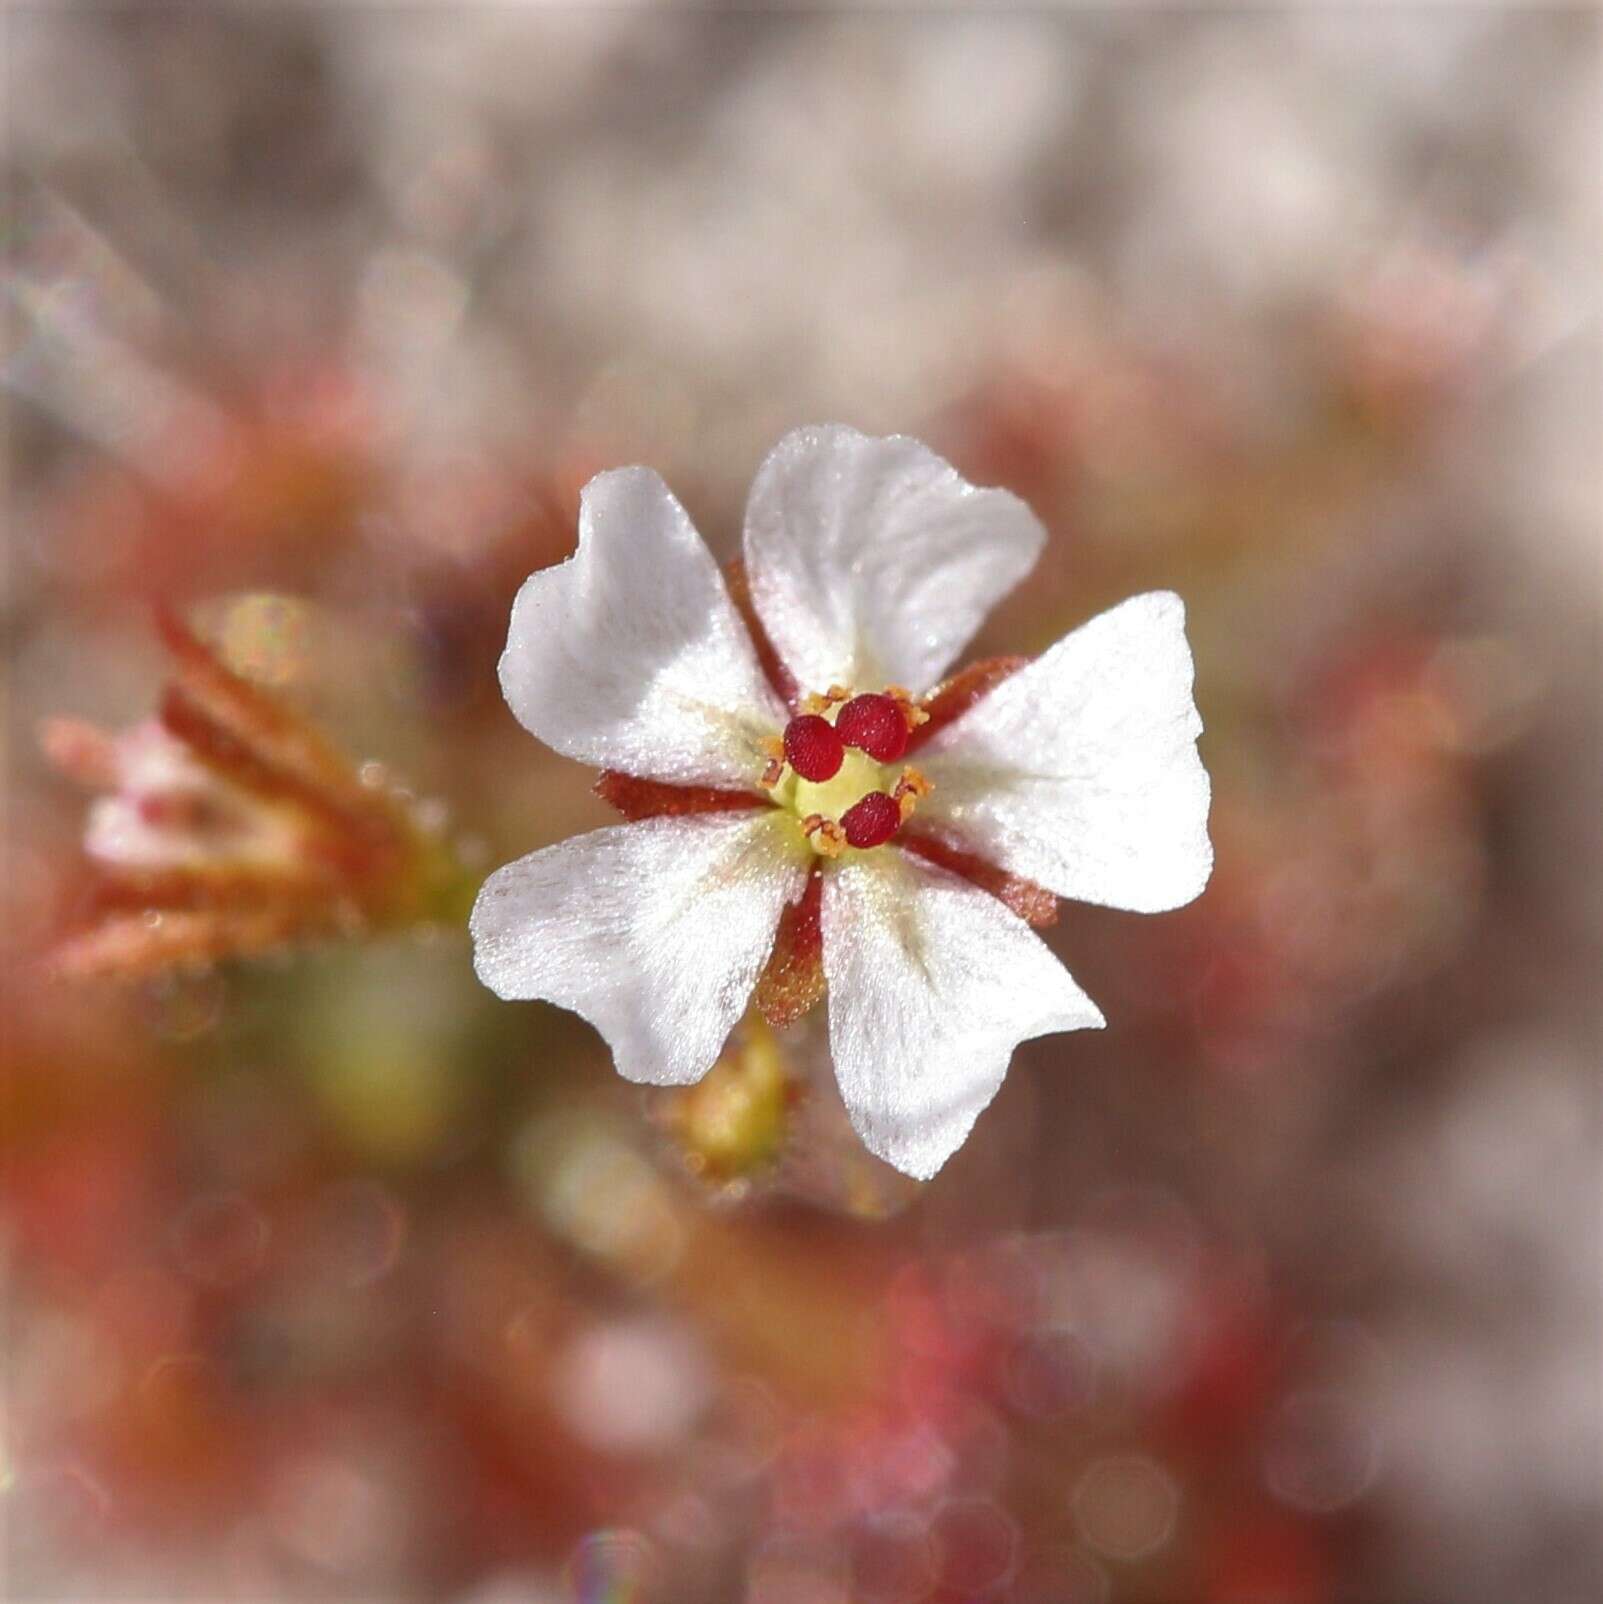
[(327, 1275)]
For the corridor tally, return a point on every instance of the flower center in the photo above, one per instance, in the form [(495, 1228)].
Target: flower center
[(857, 776), (834, 769)]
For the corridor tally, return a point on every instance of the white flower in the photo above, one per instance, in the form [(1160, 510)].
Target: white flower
[(166, 811), (870, 563)]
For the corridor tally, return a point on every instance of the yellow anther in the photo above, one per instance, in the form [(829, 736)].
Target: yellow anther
[(831, 839), (775, 748), (909, 789), (833, 697), (911, 711)]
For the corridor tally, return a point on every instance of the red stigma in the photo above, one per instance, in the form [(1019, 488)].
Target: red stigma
[(874, 724), (813, 748), (872, 821)]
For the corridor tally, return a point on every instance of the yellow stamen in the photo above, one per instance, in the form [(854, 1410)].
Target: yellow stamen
[(911, 711), (833, 697), (909, 789), (831, 839), (775, 748)]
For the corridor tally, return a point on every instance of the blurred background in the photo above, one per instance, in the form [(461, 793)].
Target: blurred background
[(327, 1275)]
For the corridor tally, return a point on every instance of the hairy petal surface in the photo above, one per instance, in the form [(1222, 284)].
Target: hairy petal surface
[(872, 562), (655, 932), (1081, 771), (630, 655), (932, 983)]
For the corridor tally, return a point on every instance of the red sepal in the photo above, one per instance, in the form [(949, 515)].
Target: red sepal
[(780, 677), (955, 696), (793, 979), (656, 799), (1034, 904)]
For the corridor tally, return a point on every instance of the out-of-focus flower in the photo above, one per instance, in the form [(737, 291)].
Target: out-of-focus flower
[(871, 563), (228, 826)]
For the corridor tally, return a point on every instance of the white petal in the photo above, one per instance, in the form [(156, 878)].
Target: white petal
[(202, 821), (630, 655), (120, 835), (237, 832), (872, 562), (655, 932), (932, 983), (1081, 772)]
